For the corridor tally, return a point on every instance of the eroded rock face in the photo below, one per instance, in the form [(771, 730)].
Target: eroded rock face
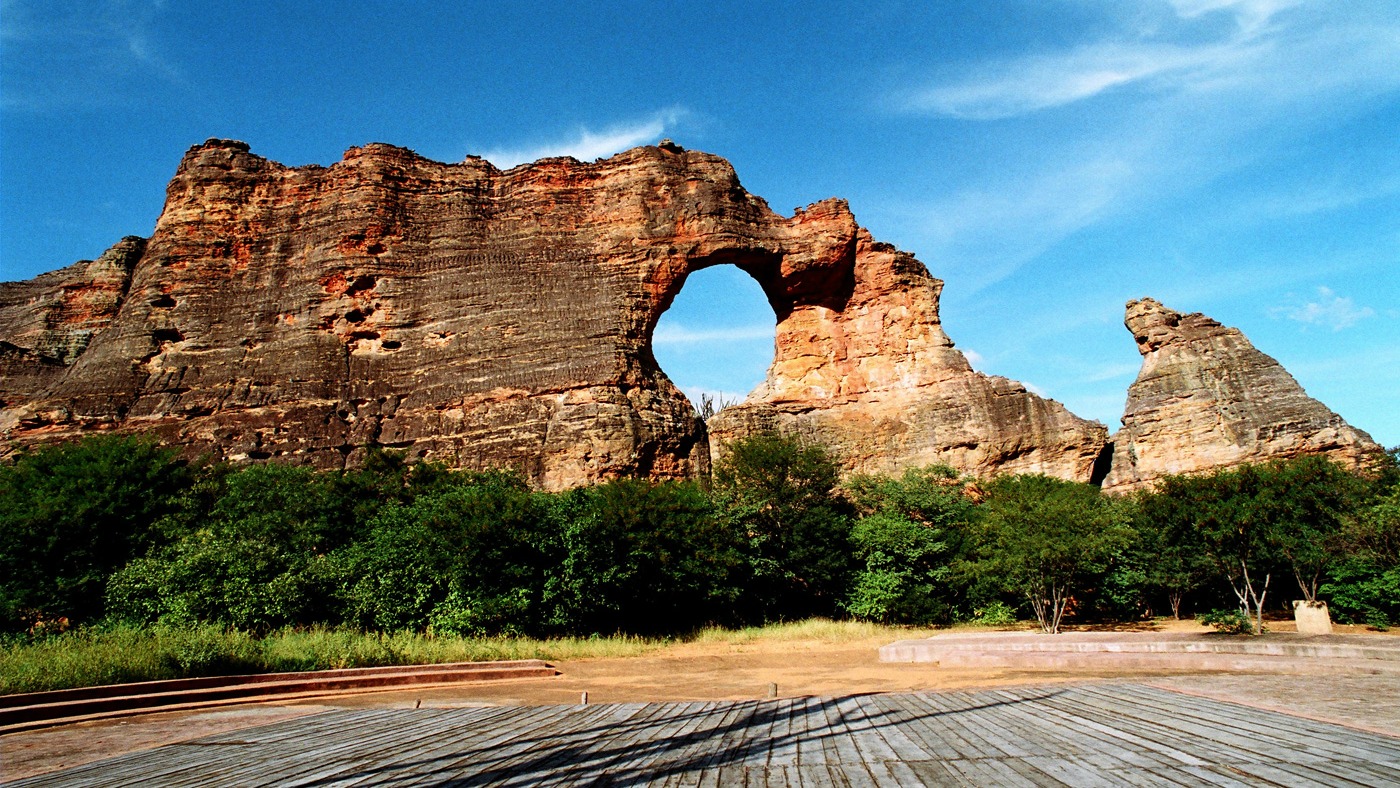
[(863, 366), (1207, 399), (496, 319), (48, 321)]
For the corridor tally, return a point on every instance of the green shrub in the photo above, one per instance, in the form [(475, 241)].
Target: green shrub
[(906, 571), (483, 540), (258, 560), (70, 515), (779, 492), (1045, 538), (995, 614), (1231, 621), (644, 557)]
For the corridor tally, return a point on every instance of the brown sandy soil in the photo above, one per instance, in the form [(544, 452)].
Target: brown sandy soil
[(735, 669)]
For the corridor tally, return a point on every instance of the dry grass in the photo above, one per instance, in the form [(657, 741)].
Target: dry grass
[(127, 654)]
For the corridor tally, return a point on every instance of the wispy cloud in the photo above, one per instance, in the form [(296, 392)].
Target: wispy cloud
[(85, 54), (586, 144), (1163, 109), (1329, 311), (669, 334), (1006, 90), (1113, 372), (1035, 82), (67, 53)]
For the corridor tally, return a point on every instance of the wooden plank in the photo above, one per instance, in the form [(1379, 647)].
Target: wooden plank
[(1085, 735), (947, 710), (1327, 739), (1070, 737), (431, 743), (1171, 749), (733, 735), (1228, 742), (895, 720)]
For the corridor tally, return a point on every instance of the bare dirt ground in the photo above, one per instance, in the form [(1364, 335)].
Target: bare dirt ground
[(724, 670)]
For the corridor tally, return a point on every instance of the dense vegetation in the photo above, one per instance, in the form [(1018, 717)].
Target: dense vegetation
[(113, 532)]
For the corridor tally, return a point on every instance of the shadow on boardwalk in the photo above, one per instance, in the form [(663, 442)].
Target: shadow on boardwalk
[(639, 750), (1066, 735)]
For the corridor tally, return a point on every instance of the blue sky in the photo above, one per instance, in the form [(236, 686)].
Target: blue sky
[(1049, 160)]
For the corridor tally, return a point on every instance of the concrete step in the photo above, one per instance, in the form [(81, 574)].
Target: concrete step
[(1074, 648), (40, 709)]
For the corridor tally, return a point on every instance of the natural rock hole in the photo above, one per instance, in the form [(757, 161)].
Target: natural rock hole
[(715, 341)]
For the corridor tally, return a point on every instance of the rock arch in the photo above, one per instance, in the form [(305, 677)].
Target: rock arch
[(488, 318)]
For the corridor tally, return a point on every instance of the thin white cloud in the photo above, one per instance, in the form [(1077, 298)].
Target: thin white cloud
[(1190, 105), (1019, 87), (998, 229), (1329, 311), (587, 145), (1114, 372), (975, 359), (670, 334), (109, 44), (1250, 15)]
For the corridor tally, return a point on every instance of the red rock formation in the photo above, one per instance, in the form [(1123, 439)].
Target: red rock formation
[(864, 367), (490, 318), (1207, 399), (48, 321)]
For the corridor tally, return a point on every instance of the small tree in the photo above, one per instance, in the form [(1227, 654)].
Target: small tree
[(779, 493), (1042, 536), (1222, 512), (1364, 584), (912, 529), (1176, 563), (73, 514), (1306, 502)]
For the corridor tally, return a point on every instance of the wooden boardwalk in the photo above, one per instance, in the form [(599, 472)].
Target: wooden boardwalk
[(1099, 734)]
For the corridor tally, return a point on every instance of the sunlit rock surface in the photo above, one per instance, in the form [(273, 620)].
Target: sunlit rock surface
[(487, 319), (1207, 399)]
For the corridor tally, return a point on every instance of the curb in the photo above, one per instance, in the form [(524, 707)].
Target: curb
[(28, 711)]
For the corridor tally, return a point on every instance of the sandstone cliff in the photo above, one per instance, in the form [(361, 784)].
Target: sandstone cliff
[(1207, 399), (863, 366), (489, 318)]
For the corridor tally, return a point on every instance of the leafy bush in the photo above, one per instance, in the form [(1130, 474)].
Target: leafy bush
[(905, 574), (644, 557), (474, 555), (256, 561), (995, 614), (1231, 622), (70, 515), (1044, 538), (780, 493)]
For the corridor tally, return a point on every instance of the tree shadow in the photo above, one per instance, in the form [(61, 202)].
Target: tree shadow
[(654, 742)]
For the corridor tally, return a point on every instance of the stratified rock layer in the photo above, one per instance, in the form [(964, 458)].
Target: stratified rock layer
[(1207, 399), (497, 319), (863, 366)]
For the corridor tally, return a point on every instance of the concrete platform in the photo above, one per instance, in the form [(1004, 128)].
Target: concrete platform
[(1276, 652)]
